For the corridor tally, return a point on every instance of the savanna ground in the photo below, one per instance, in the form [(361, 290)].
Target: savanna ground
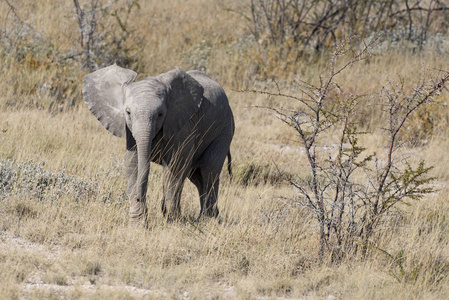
[(64, 229)]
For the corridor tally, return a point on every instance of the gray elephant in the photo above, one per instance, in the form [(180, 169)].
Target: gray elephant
[(181, 120)]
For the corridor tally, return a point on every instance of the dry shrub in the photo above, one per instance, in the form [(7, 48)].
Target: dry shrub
[(297, 26), (351, 192), (46, 73)]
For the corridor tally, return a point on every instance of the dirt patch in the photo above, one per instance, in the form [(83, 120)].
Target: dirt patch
[(9, 243)]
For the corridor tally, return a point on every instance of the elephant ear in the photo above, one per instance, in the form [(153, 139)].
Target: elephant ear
[(103, 94), (184, 98)]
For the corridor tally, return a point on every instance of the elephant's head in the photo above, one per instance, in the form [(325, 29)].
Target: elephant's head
[(141, 109)]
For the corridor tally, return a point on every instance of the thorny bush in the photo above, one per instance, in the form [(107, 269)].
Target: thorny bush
[(349, 192)]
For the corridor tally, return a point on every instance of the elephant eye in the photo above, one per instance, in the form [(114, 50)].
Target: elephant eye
[(160, 114), (128, 112)]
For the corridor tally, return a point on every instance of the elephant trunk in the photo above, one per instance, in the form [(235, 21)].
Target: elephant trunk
[(138, 209), (143, 167)]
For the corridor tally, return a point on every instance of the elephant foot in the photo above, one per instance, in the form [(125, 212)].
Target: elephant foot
[(170, 210), (138, 214), (139, 223), (172, 213), (210, 213)]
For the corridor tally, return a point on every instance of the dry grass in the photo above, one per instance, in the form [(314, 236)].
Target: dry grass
[(58, 242)]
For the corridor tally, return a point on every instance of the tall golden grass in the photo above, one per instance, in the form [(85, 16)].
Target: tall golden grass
[(63, 245)]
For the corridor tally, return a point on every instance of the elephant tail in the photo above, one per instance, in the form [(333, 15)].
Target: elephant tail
[(230, 164)]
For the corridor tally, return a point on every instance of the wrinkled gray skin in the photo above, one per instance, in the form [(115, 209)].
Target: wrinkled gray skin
[(179, 120)]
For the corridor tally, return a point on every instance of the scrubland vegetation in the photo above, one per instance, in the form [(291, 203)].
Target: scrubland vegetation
[(328, 199)]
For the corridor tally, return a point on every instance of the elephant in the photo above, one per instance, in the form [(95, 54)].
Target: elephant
[(180, 120)]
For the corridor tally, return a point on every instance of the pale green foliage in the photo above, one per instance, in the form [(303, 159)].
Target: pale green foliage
[(35, 182), (31, 179)]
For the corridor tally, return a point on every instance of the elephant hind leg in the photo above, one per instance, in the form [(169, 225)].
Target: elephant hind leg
[(210, 166), (207, 184)]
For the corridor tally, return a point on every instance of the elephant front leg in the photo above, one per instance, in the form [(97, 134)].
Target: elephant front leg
[(137, 209)]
